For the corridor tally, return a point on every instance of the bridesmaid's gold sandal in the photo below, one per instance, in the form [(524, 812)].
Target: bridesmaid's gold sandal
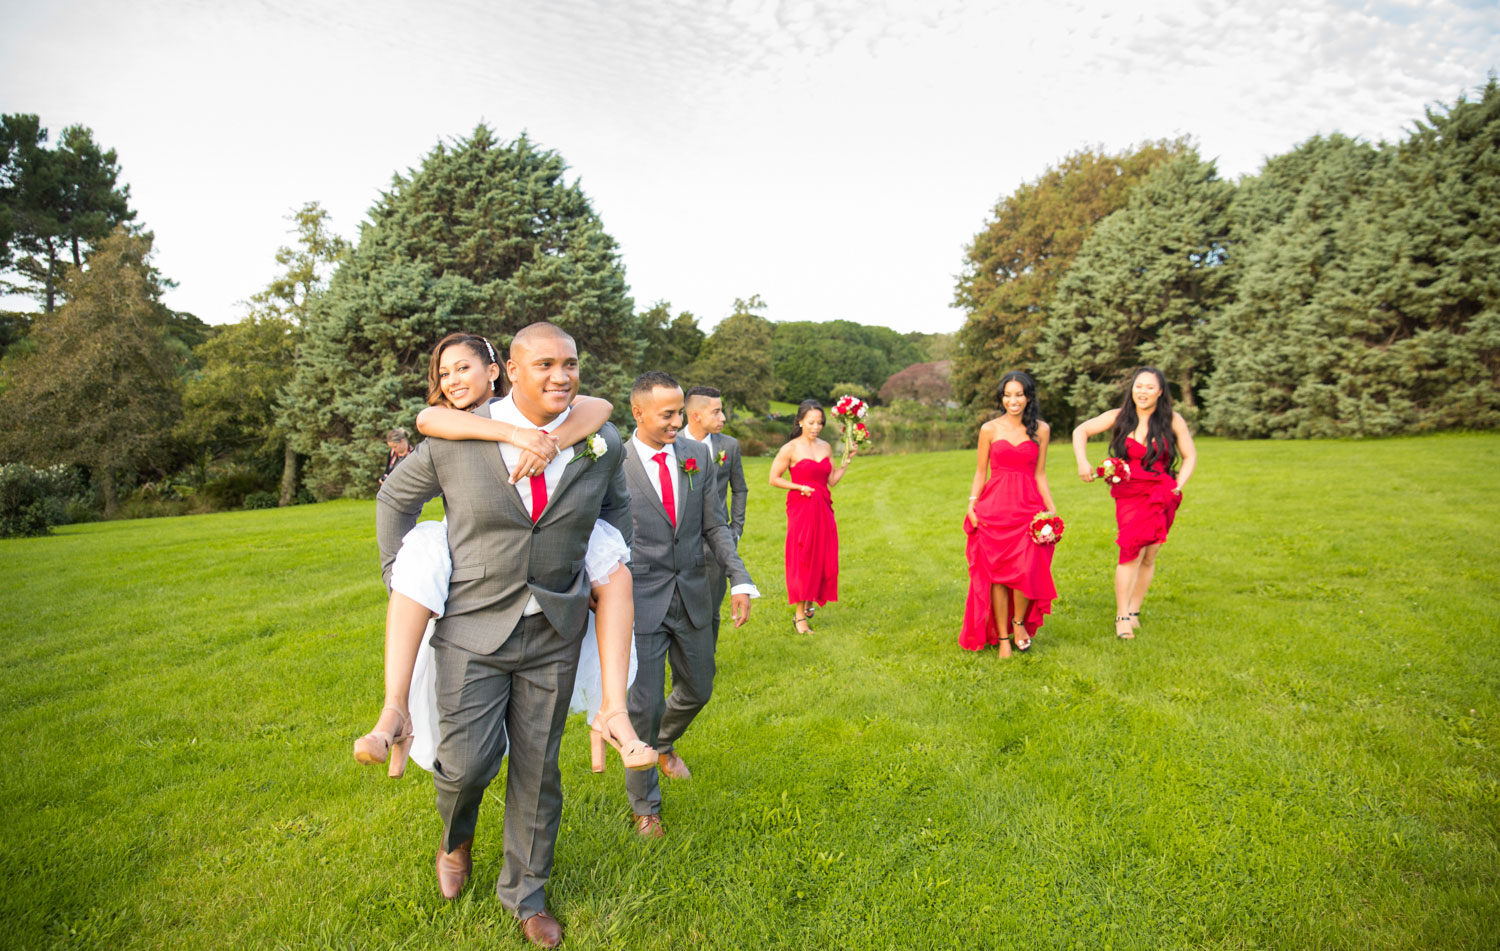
[(1129, 633), (1023, 643), (800, 624)]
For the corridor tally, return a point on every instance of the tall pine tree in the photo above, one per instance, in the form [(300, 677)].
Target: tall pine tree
[(484, 237)]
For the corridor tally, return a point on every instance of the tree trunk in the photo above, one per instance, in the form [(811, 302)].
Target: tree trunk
[(107, 485), (1186, 382), (288, 475), (77, 258), (51, 277)]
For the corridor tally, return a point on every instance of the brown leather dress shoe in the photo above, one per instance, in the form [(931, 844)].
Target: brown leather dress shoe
[(649, 827), (453, 870), (672, 766), (542, 930)]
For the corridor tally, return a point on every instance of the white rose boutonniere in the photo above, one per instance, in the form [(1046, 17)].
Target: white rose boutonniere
[(593, 447)]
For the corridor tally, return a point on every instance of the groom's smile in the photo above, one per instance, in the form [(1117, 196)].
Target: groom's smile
[(543, 370)]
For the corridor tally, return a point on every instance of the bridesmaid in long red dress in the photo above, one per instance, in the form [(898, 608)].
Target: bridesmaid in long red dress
[(1150, 437), (812, 536), (1010, 576)]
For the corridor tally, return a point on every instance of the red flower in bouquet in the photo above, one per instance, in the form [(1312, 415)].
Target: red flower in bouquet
[(850, 410), (1113, 470), (1046, 528), (689, 466)]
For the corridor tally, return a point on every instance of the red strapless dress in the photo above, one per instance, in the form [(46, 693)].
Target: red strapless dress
[(812, 536), (1145, 504), (1001, 551)]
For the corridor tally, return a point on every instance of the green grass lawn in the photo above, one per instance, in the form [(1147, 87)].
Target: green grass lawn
[(1301, 750)]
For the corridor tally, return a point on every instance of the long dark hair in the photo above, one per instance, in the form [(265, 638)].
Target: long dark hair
[(1029, 415), (803, 408), (477, 345), (1161, 443)]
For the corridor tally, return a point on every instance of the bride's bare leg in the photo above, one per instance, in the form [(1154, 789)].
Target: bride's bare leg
[(405, 622), (614, 622)]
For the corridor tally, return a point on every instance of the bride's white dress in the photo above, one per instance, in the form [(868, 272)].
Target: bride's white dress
[(421, 573)]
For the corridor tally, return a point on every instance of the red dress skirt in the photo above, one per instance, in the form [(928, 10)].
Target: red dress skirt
[(1145, 504), (812, 536), (1001, 551)]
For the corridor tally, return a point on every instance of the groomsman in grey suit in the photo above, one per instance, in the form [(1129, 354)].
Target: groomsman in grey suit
[(679, 522), (506, 648), (705, 424)]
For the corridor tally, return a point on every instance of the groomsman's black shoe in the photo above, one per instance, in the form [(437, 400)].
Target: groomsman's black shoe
[(649, 827), (453, 869), (672, 766), (542, 930)]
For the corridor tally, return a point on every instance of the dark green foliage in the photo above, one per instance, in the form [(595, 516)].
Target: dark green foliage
[(260, 500), (1142, 290), (55, 204), (736, 358), (33, 500), (670, 344), (810, 358), (485, 237)]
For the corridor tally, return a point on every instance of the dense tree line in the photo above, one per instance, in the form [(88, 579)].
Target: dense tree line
[(1347, 289)]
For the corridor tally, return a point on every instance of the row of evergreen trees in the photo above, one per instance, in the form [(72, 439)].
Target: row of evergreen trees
[(1348, 289)]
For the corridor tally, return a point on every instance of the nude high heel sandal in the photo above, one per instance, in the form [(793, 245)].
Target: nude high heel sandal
[(378, 746), (635, 754)]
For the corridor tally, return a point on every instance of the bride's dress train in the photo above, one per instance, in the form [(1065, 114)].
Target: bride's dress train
[(421, 573)]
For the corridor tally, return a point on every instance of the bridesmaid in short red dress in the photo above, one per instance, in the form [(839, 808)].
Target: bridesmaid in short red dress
[(804, 466), (1010, 576), (1151, 438)]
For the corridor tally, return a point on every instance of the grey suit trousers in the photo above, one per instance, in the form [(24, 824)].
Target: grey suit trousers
[(659, 720), (516, 696)]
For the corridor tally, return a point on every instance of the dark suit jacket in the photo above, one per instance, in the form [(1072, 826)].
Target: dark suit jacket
[(500, 559), (664, 561), (731, 475)]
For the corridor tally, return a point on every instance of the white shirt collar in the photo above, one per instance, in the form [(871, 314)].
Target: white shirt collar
[(506, 411)]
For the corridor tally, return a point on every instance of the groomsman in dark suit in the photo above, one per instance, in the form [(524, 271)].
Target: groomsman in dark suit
[(705, 424), (678, 524)]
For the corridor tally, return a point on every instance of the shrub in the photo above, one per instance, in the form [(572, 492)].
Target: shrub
[(230, 489), (261, 500), (750, 446), (34, 500)]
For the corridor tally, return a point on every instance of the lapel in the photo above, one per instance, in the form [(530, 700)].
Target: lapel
[(571, 471), (635, 471), (491, 453), (684, 488)]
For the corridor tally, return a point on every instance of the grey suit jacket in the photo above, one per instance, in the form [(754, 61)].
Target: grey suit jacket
[(664, 561), (730, 475), (500, 559)]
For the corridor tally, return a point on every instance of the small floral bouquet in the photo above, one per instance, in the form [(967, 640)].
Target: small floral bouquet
[(851, 410), (591, 448), (1046, 528), (1114, 471)]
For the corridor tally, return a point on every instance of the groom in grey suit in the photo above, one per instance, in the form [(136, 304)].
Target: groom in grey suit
[(677, 519), (506, 650)]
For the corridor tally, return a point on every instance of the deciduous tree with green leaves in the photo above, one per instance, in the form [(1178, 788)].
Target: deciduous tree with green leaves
[(101, 388), (485, 237), (736, 358), (670, 344)]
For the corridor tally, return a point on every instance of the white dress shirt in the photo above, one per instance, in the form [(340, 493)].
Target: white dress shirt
[(506, 411), (653, 473)]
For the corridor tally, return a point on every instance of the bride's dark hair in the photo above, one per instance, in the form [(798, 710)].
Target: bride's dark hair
[(1029, 415), (477, 345), (1161, 442), (803, 408)]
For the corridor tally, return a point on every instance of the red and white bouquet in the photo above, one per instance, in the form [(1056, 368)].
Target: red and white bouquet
[(1046, 528), (1114, 471), (851, 411)]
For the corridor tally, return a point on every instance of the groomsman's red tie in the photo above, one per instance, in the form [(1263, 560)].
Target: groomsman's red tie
[(538, 494), (667, 500)]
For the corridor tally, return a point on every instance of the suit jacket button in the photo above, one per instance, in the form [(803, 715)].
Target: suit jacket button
[(531, 581), (535, 529)]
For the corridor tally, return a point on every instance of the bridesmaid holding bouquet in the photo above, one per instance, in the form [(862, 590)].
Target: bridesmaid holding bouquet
[(1010, 573), (804, 467), (1150, 437)]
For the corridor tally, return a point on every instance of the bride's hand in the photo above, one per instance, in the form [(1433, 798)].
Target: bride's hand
[(537, 450)]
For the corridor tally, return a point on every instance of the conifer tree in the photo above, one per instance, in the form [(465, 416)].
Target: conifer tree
[(485, 237), (1143, 289)]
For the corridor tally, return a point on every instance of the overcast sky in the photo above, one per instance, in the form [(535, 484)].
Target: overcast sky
[(834, 157)]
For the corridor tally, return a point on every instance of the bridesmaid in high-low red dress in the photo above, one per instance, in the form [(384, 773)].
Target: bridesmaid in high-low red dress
[(1150, 437), (812, 535), (1010, 575)]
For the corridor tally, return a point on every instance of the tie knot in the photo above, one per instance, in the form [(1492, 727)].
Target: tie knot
[(659, 457)]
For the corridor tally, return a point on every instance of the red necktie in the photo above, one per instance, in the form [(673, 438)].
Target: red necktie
[(667, 500), (538, 494)]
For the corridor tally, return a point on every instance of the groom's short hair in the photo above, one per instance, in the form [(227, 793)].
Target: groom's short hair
[(649, 381), (541, 330)]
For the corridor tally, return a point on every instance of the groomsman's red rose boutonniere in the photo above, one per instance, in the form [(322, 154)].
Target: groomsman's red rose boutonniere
[(689, 466), (723, 453), (1114, 471), (591, 448), (851, 411), (1046, 528)]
